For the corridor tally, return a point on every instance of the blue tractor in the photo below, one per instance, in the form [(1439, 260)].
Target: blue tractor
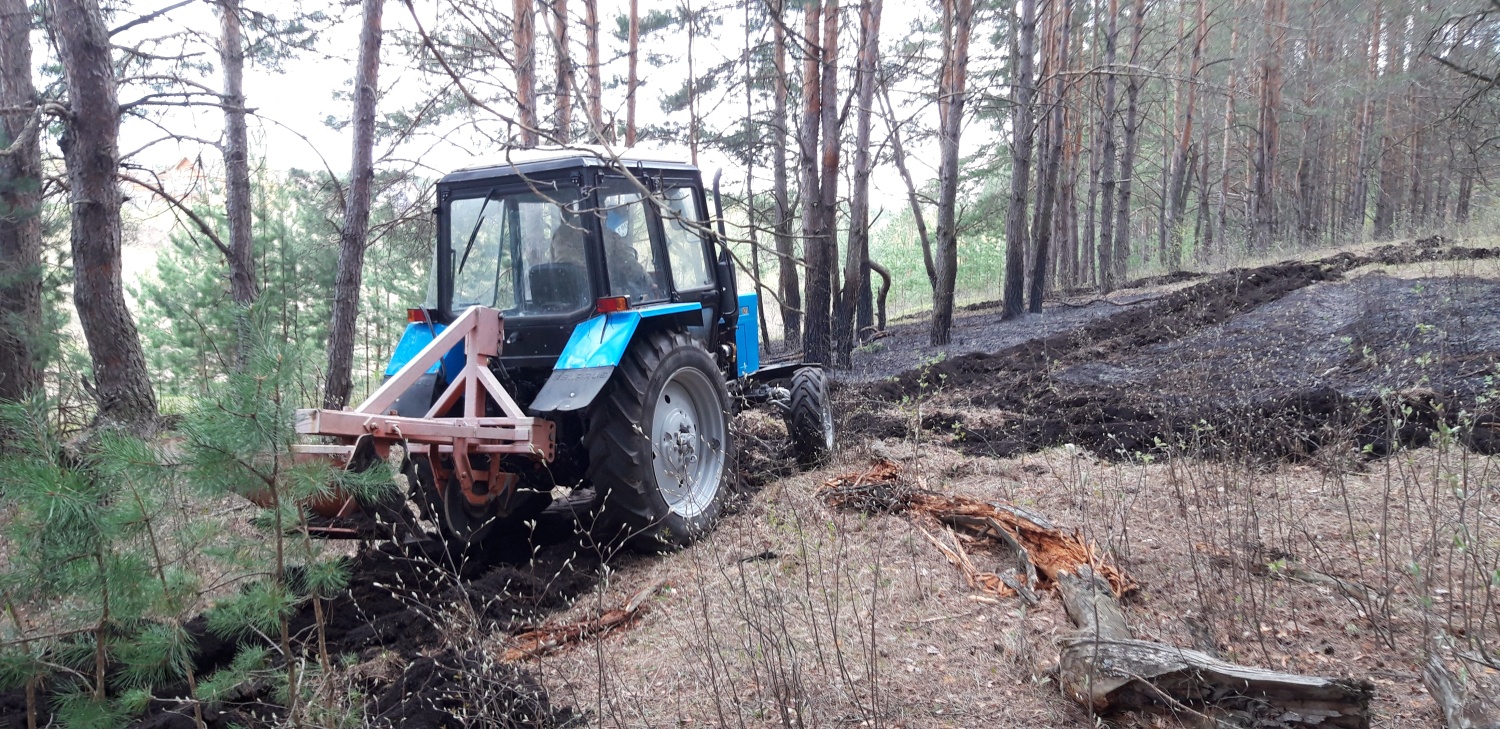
[(625, 350)]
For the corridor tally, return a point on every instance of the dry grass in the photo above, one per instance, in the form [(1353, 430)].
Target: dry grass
[(859, 620)]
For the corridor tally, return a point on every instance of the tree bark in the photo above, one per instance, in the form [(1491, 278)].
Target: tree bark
[(20, 209), (750, 206), (1182, 170), (1464, 706), (1387, 196), (1121, 255), (786, 251), (692, 85), (959, 15), (237, 202), (356, 227), (1103, 668), (523, 29), (1222, 201), (631, 82), (1022, 131), (564, 111), (1268, 127), (596, 85), (856, 257), (1047, 186), (817, 339), (91, 151), (1107, 182)]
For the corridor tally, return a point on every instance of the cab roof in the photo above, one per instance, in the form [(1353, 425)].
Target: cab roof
[(536, 161)]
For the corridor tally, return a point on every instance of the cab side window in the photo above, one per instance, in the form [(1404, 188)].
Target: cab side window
[(684, 226), (630, 260)]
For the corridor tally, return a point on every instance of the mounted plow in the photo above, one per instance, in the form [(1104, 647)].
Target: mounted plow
[(464, 438)]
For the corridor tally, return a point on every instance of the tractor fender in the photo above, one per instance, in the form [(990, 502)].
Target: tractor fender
[(594, 350), (418, 398)]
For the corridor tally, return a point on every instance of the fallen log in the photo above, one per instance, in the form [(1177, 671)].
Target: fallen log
[(549, 638), (1462, 707), (1106, 670)]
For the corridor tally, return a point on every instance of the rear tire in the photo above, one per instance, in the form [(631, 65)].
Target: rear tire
[(809, 419), (659, 445)]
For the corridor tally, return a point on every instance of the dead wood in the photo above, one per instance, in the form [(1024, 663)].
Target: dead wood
[(1463, 708), (1042, 550), (1103, 668), (546, 639)]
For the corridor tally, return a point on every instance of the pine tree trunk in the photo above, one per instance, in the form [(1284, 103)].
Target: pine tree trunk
[(91, 152), (959, 15), (822, 256), (237, 203), (1356, 203), (856, 257), (1267, 123), (597, 131), (750, 206), (786, 252), (1047, 186), (1387, 198), (1182, 169), (20, 209), (523, 30), (1221, 212), (352, 242), (692, 86), (564, 111), (812, 201), (1022, 131), (1465, 194), (1106, 132), (1121, 255), (631, 81)]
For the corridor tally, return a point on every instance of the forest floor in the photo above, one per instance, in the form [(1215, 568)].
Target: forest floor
[(1213, 435)]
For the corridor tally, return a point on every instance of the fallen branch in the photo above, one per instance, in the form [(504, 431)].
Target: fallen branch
[(1042, 549), (547, 639), (1105, 669), (1463, 707)]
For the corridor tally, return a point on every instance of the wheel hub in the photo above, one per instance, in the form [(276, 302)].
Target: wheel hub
[(679, 448), (688, 435)]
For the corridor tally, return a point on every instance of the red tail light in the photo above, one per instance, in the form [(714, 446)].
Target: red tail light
[(612, 304), (416, 316)]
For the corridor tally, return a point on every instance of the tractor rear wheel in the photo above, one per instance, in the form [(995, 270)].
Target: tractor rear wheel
[(809, 419), (659, 444)]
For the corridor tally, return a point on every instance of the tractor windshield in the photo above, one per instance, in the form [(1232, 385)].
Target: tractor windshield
[(521, 252)]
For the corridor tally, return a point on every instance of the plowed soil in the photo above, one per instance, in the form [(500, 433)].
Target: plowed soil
[(1272, 362)]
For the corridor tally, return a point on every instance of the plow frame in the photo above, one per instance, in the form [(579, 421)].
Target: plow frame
[(481, 330)]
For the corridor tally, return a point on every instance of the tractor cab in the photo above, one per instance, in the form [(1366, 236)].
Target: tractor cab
[(553, 240)]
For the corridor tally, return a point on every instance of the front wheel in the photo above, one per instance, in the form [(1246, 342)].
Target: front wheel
[(809, 419), (659, 444)]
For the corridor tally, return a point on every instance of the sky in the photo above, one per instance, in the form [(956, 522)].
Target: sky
[(292, 104)]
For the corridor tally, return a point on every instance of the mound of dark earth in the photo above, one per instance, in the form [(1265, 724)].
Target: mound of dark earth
[(412, 616), (1275, 361), (403, 608)]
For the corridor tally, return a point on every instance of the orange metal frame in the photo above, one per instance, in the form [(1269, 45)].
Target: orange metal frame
[(481, 330)]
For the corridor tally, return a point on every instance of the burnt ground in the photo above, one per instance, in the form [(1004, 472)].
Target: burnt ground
[(414, 613), (414, 621), (1273, 362), (1276, 362)]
